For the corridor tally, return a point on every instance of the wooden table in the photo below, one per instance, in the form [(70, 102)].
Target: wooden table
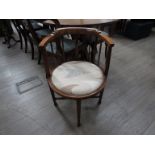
[(98, 23)]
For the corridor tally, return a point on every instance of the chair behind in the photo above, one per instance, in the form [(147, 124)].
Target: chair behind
[(39, 34)]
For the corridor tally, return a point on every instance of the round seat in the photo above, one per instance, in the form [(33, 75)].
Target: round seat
[(77, 77)]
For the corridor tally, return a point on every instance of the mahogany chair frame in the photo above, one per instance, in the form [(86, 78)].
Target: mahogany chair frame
[(80, 31)]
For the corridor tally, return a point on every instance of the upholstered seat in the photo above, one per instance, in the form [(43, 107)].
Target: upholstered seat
[(77, 77), (36, 26), (43, 32)]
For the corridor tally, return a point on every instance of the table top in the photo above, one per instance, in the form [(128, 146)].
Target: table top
[(82, 22)]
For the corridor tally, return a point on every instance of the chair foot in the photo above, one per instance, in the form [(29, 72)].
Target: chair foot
[(31, 44), (78, 103), (38, 62), (25, 46), (55, 104), (78, 125), (32, 52), (54, 99), (39, 58), (100, 97)]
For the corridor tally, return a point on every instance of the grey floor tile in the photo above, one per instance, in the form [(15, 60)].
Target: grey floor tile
[(127, 106), (25, 126)]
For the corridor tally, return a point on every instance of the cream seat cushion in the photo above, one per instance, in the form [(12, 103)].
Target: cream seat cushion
[(77, 77)]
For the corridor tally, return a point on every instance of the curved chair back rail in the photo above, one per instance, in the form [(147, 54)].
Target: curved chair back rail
[(87, 33)]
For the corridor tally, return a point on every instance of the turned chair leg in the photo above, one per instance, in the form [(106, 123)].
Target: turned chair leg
[(32, 49), (25, 40), (100, 97), (39, 57), (31, 44), (53, 97), (21, 40), (78, 103)]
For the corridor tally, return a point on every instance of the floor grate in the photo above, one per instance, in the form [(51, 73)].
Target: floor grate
[(28, 84)]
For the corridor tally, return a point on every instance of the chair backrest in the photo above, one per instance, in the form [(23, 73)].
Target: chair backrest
[(19, 24), (89, 45), (16, 24), (33, 31)]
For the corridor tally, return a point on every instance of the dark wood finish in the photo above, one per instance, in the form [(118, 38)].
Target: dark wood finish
[(100, 97), (21, 30), (53, 96), (37, 38), (86, 49), (25, 33), (78, 104), (8, 31)]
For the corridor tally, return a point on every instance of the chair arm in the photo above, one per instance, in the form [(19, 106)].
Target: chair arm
[(107, 39), (46, 40)]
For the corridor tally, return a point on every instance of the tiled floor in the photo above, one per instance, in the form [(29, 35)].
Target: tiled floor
[(128, 104)]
